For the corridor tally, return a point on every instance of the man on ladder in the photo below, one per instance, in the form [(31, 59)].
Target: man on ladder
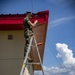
[(28, 32), (29, 38)]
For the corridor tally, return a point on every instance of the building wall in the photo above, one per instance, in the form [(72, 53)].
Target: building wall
[(11, 52)]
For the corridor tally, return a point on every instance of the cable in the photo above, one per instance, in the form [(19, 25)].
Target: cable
[(63, 66), (32, 5)]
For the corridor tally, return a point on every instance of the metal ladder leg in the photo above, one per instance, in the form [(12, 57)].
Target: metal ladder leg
[(25, 60), (28, 51), (39, 55)]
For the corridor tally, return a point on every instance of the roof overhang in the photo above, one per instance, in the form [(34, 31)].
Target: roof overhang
[(15, 21)]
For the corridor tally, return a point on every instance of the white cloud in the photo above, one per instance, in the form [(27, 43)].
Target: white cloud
[(68, 65), (52, 71), (58, 55), (60, 21), (66, 53), (67, 57)]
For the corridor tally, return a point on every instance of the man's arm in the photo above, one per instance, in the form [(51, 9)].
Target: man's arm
[(33, 24)]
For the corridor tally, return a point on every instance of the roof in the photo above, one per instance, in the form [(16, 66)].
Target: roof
[(15, 22)]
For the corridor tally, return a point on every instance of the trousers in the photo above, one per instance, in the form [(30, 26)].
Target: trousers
[(27, 34)]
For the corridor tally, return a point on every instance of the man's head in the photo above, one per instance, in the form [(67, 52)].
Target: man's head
[(29, 14)]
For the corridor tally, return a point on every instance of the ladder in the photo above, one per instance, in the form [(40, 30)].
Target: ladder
[(28, 51)]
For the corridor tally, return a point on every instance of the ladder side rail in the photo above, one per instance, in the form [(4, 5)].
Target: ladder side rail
[(28, 51), (25, 60), (39, 55)]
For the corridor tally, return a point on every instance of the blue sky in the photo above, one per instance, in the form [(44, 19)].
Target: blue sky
[(61, 29)]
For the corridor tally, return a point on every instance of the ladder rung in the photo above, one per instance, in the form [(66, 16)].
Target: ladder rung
[(33, 46)]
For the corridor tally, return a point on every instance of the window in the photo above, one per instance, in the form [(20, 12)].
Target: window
[(10, 37)]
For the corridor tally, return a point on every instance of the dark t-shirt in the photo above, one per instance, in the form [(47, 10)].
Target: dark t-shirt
[(27, 28), (26, 24)]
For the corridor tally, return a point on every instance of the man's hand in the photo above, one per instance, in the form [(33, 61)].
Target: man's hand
[(35, 22)]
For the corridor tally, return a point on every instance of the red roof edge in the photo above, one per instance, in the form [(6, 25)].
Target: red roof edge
[(15, 21)]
